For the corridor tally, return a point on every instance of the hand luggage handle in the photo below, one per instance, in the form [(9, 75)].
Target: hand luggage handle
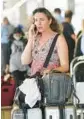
[(5, 90), (8, 82)]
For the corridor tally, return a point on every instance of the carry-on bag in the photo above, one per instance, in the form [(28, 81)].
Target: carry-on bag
[(54, 112), (7, 91), (33, 113), (58, 89), (24, 93)]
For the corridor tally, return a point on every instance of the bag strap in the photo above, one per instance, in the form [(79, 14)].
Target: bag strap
[(74, 93), (50, 51), (24, 109)]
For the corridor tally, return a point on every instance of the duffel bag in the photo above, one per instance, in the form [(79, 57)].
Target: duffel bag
[(30, 92), (58, 88)]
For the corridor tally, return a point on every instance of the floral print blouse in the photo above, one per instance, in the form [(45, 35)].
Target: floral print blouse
[(39, 56)]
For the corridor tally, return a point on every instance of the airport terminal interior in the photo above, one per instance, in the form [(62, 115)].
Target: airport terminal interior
[(18, 11), (16, 23)]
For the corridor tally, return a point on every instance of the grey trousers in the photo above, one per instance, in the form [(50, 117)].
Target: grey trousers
[(4, 57)]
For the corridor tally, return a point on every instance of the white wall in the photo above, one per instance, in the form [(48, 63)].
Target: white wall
[(65, 4), (79, 14), (51, 4), (18, 13)]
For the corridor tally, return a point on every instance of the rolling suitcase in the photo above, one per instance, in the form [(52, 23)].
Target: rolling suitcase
[(80, 114), (54, 113), (67, 112), (33, 113), (70, 112), (7, 92)]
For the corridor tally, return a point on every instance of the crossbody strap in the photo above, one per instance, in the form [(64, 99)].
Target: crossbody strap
[(50, 51)]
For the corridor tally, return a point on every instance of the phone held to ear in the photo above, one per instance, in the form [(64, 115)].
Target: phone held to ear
[(35, 30)]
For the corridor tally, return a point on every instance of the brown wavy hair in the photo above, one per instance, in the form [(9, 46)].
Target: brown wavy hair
[(54, 25)]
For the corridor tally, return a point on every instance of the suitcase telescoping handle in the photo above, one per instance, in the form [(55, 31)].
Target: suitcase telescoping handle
[(5, 90)]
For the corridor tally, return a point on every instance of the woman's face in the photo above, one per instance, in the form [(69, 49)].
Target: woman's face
[(42, 22)]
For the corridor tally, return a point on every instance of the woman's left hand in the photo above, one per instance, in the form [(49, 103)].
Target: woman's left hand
[(45, 71)]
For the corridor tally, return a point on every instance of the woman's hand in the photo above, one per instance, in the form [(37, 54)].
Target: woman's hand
[(26, 57), (32, 33), (45, 71)]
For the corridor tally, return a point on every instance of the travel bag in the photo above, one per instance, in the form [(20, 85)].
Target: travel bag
[(7, 91), (33, 113), (58, 88)]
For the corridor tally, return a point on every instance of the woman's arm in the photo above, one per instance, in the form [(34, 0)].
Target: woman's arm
[(63, 54), (62, 49), (26, 57)]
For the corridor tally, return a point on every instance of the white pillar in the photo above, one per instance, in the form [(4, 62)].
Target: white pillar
[(9, 3), (43, 3), (71, 5), (11, 12), (40, 3), (23, 13)]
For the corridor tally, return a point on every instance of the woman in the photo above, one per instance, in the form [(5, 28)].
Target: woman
[(41, 35)]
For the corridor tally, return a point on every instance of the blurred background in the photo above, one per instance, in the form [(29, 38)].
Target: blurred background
[(19, 11)]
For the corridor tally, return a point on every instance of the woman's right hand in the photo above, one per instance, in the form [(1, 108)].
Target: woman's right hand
[(32, 34)]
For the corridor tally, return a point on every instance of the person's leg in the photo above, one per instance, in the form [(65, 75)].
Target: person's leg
[(22, 75), (15, 74), (19, 77), (4, 57)]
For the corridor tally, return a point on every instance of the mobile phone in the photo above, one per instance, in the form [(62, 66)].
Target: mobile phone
[(35, 29)]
